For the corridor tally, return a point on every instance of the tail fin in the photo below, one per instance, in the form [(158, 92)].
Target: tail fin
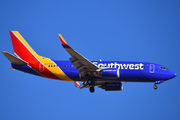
[(25, 53), (21, 48)]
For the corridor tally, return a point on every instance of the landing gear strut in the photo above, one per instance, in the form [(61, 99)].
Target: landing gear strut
[(158, 82), (90, 82)]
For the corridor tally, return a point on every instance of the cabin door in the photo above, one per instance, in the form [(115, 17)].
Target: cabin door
[(41, 67), (152, 68)]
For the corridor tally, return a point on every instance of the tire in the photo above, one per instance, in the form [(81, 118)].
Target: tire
[(91, 89), (155, 87)]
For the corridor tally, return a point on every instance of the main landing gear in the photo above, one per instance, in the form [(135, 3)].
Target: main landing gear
[(90, 82)]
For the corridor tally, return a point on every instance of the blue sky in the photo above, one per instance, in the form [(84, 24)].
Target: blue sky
[(146, 31)]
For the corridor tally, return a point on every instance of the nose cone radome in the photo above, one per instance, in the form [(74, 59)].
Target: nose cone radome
[(168, 74), (172, 74)]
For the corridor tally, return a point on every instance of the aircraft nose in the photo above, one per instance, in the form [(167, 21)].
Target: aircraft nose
[(173, 74), (168, 74)]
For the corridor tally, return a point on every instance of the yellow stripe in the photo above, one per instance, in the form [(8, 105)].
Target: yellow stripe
[(62, 38), (56, 70)]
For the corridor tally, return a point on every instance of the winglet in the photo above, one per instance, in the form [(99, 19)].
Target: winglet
[(64, 44), (76, 83)]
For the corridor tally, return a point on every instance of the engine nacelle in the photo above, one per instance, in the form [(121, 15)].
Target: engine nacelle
[(114, 86), (111, 73)]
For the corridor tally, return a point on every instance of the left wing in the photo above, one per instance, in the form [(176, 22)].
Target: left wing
[(81, 63)]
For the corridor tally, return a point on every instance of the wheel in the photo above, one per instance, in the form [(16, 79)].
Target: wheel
[(155, 87), (91, 89)]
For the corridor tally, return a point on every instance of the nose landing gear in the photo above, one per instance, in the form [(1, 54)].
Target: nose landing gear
[(158, 82), (155, 86)]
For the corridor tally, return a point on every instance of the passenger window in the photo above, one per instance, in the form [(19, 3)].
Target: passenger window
[(64, 65)]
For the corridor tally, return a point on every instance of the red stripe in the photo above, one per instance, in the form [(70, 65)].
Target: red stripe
[(27, 56)]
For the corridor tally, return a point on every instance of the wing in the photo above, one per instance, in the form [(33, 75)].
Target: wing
[(81, 63)]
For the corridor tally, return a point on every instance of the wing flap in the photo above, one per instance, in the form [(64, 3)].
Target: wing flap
[(13, 59)]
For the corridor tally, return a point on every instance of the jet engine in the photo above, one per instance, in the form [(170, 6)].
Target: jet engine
[(111, 73), (114, 86)]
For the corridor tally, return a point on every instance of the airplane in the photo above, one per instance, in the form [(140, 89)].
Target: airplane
[(108, 75)]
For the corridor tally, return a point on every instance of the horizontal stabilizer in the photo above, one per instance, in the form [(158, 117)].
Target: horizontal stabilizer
[(11, 68), (13, 59)]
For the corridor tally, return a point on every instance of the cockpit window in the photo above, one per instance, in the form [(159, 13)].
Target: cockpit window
[(164, 68)]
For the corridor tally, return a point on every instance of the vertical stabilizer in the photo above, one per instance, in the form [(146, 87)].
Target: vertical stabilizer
[(26, 55), (21, 48)]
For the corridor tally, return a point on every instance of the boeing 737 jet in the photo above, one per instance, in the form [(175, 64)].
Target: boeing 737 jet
[(107, 75)]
